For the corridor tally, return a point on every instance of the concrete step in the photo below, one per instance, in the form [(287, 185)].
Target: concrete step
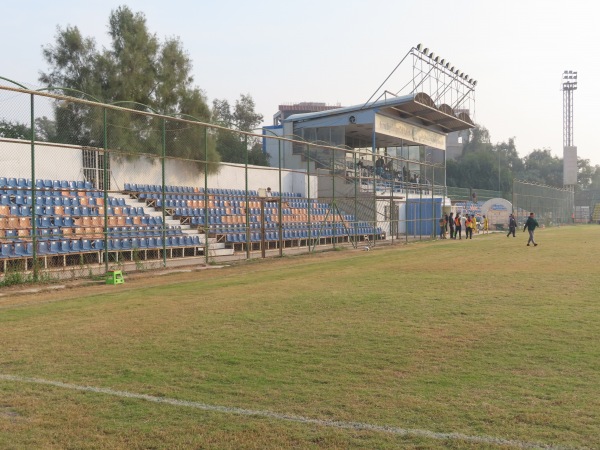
[(220, 252)]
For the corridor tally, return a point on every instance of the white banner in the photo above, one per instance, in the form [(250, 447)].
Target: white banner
[(396, 128)]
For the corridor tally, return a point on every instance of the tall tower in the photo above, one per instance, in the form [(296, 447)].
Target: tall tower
[(569, 85)]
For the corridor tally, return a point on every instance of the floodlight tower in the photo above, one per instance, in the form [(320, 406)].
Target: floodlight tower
[(569, 85)]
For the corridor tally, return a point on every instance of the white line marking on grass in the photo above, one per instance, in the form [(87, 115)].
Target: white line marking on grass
[(482, 439)]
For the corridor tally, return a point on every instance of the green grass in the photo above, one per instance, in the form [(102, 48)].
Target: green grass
[(485, 337)]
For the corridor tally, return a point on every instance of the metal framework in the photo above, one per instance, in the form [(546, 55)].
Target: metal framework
[(569, 85), (448, 86)]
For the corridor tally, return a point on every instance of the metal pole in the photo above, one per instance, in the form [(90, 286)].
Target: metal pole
[(333, 208), (206, 194), (308, 194), (33, 193), (164, 225), (280, 202), (248, 240), (433, 204), (262, 228), (373, 150), (105, 191), (356, 237)]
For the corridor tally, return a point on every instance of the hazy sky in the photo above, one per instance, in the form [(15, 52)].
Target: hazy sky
[(339, 51)]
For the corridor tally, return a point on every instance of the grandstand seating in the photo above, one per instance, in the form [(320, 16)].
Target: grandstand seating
[(234, 217), (70, 219), (73, 218)]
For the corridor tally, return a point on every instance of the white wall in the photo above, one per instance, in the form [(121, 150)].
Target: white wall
[(56, 163), (65, 163)]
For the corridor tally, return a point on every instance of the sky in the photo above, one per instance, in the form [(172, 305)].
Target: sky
[(340, 51)]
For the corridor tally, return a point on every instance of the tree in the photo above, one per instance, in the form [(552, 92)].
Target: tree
[(585, 173), (137, 68), (236, 147), (541, 167), (44, 130), (14, 130), (479, 140)]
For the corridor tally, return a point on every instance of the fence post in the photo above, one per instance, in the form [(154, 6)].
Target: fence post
[(164, 224), (33, 192), (206, 194), (104, 188)]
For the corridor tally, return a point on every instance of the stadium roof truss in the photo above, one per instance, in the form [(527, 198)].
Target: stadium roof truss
[(391, 122)]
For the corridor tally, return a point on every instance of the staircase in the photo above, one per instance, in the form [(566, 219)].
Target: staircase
[(214, 248)]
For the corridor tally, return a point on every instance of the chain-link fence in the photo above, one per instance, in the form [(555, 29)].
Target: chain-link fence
[(88, 187), (552, 206)]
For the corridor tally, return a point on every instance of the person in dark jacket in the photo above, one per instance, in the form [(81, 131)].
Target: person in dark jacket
[(531, 224), (512, 225)]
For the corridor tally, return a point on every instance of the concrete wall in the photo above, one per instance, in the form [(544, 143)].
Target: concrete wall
[(66, 163)]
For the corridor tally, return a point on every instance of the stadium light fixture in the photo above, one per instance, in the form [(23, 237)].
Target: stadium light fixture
[(426, 50), (431, 55), (419, 47)]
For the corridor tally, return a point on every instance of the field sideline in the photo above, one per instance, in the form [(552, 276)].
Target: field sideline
[(483, 343)]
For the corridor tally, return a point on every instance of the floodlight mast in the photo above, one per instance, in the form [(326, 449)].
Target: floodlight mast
[(569, 85)]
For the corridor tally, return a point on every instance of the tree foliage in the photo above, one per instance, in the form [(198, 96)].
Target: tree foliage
[(236, 147), (136, 69), (485, 165), (44, 130)]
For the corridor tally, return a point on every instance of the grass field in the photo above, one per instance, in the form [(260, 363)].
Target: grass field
[(483, 343)]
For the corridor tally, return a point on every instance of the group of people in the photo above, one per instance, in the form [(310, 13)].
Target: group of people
[(386, 170), (467, 222)]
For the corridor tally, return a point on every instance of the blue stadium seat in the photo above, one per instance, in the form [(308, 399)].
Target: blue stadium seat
[(44, 222), (64, 246), (86, 245), (75, 246), (42, 248), (114, 244), (54, 247), (8, 251), (126, 244)]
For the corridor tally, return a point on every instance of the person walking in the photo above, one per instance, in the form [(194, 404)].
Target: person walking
[(452, 225), (512, 225), (531, 224), (457, 223), (486, 225)]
